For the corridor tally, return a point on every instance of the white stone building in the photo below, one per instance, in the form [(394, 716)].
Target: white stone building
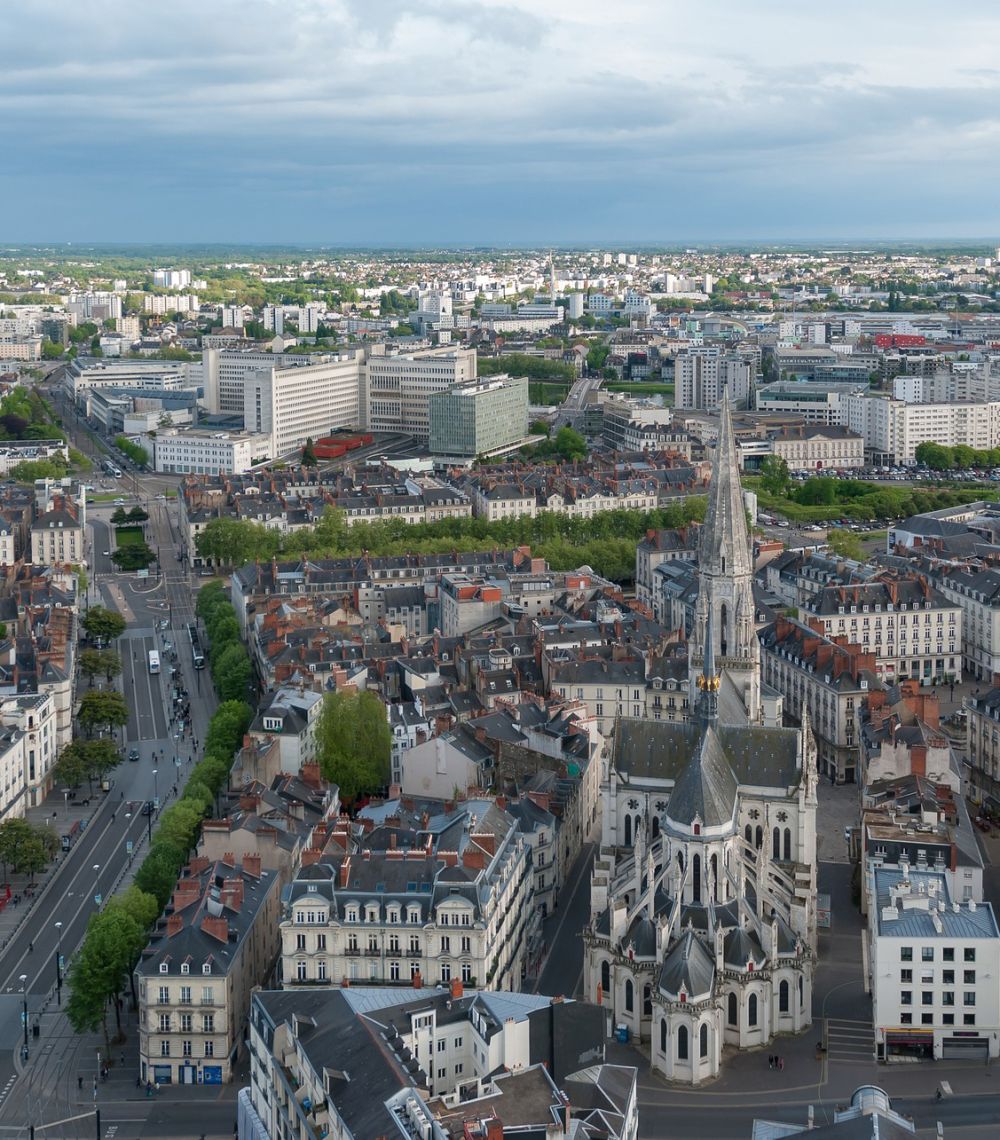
[(933, 968)]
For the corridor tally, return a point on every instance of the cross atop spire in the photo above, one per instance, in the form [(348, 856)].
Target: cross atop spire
[(724, 546)]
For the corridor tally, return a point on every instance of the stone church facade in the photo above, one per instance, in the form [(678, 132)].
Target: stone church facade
[(703, 898)]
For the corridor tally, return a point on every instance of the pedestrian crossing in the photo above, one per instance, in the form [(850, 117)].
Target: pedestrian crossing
[(849, 1040)]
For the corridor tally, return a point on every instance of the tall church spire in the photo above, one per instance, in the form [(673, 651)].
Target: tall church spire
[(724, 545), (724, 641)]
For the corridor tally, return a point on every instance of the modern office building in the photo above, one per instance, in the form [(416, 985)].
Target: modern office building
[(397, 387), (479, 418), (294, 404), (208, 452)]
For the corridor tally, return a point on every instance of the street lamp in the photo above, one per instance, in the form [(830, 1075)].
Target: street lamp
[(24, 1011), (97, 883), (58, 963), (155, 796)]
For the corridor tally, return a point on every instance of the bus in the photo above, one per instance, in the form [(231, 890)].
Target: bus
[(196, 651), (154, 661)]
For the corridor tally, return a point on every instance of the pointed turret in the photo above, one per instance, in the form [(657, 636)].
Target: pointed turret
[(724, 543)]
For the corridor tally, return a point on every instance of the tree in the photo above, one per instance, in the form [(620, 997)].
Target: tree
[(846, 544), (133, 556), (209, 596), (110, 949), (820, 490), (102, 708), (120, 516), (103, 624), (934, 455), (539, 427), (158, 872), (179, 825), (70, 770), (597, 355), (231, 672), (111, 664), (570, 444), (774, 477), (354, 742), (309, 454), (91, 664), (226, 728), (230, 542), (137, 514)]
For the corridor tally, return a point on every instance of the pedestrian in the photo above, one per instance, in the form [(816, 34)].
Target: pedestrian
[(31, 947), (79, 1083), (781, 1064), (770, 1060), (138, 1082)]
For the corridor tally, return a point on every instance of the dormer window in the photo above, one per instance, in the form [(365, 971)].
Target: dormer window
[(164, 967), (207, 968), (185, 968), (272, 724)]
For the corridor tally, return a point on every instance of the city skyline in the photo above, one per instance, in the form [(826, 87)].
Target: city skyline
[(507, 124)]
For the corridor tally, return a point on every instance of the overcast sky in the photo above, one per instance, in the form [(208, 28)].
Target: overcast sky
[(507, 121)]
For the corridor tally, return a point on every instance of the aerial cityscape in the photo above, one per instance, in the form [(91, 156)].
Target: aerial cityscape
[(499, 572)]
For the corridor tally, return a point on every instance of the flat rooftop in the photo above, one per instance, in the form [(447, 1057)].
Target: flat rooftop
[(917, 904)]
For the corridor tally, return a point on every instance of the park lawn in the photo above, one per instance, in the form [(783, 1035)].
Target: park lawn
[(105, 496), (640, 388), (129, 536)]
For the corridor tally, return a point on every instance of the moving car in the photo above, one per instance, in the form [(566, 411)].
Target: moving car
[(133, 754)]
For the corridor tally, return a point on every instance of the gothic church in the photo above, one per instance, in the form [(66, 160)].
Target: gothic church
[(703, 898)]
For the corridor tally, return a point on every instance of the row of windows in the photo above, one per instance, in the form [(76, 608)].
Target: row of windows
[(927, 954), (946, 1019), (207, 995), (187, 1022), (209, 1049)]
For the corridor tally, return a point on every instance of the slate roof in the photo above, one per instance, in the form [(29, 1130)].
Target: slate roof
[(707, 788), (764, 757), (689, 964)]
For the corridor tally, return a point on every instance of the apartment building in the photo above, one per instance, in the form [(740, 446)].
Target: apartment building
[(911, 628), (289, 716), (977, 592), (701, 375), (893, 429), (828, 679), (31, 733), (933, 969), (208, 452), (450, 900), (57, 535), (216, 943), (983, 727), (483, 417), (294, 404), (397, 387), (434, 1064), (657, 547)]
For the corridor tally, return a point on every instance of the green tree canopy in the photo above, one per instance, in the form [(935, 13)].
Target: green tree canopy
[(231, 672), (103, 623), (230, 542), (102, 708), (354, 742), (774, 477), (935, 456), (133, 556), (846, 544)]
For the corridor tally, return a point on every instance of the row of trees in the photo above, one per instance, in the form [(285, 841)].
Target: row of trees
[(940, 458), (605, 542), (26, 847), (116, 936), (228, 657), (135, 451)]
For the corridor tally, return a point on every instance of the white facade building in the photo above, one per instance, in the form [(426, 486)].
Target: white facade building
[(292, 405), (934, 968), (700, 375), (207, 452), (397, 388)]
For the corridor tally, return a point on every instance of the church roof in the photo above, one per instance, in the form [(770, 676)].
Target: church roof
[(707, 787), (740, 946), (688, 964), (642, 936), (658, 749)]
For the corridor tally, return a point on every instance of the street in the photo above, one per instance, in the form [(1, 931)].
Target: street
[(57, 1079)]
